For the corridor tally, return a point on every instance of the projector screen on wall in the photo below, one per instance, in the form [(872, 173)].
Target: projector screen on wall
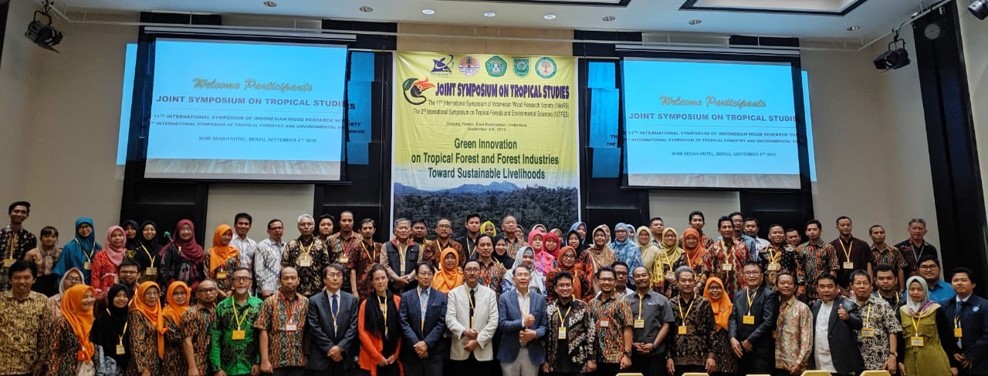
[(223, 110), (710, 124)]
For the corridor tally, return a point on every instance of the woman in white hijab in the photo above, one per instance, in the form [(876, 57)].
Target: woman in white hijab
[(926, 333), (524, 256)]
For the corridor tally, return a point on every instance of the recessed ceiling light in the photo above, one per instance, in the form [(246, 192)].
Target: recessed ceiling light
[(695, 22), (366, 9), (609, 18), (549, 16), (271, 4), (853, 28), (428, 11), (489, 14)]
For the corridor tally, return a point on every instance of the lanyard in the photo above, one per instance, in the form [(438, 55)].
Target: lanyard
[(402, 248), (747, 294), (921, 250), (383, 305), (641, 300), (915, 325), (306, 250), (124, 332), (688, 309), (729, 253), (367, 252), (335, 313), (773, 254), (239, 318), (89, 255), (562, 317), (868, 315), (149, 254), (846, 249), (289, 309)]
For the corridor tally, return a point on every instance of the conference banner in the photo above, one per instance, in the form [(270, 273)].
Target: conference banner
[(486, 134)]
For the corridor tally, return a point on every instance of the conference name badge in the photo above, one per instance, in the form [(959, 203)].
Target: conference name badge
[(774, 267), (87, 265), (220, 275), (344, 259), (151, 271), (682, 330), (748, 320), (604, 323), (8, 262), (727, 267), (121, 350), (238, 335), (848, 265), (958, 333), (562, 333), (867, 333), (639, 324), (916, 341), (291, 327)]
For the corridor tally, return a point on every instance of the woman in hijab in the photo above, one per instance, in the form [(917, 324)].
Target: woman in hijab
[(721, 304), (597, 256), (146, 252), (624, 247), (501, 252), (926, 333), (131, 229), (544, 262), (449, 275), (574, 240), (670, 257), (581, 228), (489, 229), (525, 256), (110, 331), (146, 325), (378, 328), (182, 259), (79, 252), (567, 262), (223, 259), (643, 239), (72, 352), (693, 248), (71, 278), (106, 262), (174, 363), (551, 245)]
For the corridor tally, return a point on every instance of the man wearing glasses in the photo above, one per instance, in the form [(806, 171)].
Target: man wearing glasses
[(233, 350), (929, 269), (195, 330)]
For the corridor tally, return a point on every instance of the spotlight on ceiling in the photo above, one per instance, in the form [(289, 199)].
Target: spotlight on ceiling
[(41, 32), (896, 57), (979, 8)]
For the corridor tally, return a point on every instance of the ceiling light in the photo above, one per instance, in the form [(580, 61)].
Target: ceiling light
[(853, 28), (489, 14), (608, 18), (549, 16), (979, 8), (366, 9), (270, 4), (41, 32), (896, 57), (428, 11), (695, 22)]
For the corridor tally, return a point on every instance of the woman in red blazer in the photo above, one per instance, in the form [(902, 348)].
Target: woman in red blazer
[(379, 328)]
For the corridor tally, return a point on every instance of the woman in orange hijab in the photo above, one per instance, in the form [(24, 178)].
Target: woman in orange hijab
[(174, 362), (449, 275), (146, 327), (223, 259), (72, 353), (714, 292)]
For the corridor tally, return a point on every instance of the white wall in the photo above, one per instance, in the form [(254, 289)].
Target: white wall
[(674, 206), (263, 201), (974, 34), (18, 72)]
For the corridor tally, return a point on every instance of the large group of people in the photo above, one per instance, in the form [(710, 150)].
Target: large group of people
[(495, 301)]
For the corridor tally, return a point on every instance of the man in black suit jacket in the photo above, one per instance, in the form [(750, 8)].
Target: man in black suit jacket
[(333, 329), (968, 312), (402, 254), (834, 321), (422, 329), (755, 310)]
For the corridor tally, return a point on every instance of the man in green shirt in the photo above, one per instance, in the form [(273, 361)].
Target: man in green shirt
[(233, 350)]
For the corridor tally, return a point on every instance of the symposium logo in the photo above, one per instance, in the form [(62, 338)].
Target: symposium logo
[(413, 88)]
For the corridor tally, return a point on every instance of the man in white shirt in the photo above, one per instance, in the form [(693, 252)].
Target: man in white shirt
[(246, 246), (471, 316), (267, 259), (835, 320)]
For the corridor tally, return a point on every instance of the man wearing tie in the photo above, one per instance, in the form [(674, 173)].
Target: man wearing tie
[(332, 324), (835, 319), (471, 316), (967, 312), (423, 323), (752, 322), (523, 324)]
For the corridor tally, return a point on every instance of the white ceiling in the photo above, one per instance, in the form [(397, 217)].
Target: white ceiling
[(875, 17)]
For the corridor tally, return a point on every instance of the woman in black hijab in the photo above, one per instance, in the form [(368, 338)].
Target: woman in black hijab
[(110, 328)]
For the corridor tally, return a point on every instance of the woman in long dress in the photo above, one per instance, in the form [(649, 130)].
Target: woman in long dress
[(926, 333)]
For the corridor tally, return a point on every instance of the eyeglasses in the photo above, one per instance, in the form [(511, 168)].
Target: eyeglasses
[(241, 278), (751, 272), (934, 266)]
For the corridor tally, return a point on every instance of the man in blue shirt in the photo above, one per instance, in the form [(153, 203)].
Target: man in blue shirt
[(929, 269)]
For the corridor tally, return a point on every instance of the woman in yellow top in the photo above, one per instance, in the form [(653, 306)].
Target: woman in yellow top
[(669, 258), (223, 259), (926, 333), (649, 251), (449, 275)]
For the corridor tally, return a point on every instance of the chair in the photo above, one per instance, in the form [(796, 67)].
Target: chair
[(876, 373), (816, 373)]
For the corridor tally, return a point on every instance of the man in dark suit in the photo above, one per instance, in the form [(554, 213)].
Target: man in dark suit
[(403, 255), (423, 322), (835, 319), (332, 324), (755, 311), (523, 324), (968, 313)]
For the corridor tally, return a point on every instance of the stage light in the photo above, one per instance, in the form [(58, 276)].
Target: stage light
[(979, 8), (896, 57), (42, 33)]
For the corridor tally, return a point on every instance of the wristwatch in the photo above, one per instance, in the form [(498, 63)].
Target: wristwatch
[(628, 354)]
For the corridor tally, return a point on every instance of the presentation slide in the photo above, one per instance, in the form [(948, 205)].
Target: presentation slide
[(246, 111), (710, 124)]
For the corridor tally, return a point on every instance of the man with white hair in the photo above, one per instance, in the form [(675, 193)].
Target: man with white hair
[(308, 255)]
